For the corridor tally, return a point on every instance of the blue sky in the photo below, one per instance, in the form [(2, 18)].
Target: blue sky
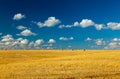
[(60, 24)]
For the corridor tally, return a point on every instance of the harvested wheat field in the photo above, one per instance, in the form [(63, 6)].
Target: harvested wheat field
[(60, 64)]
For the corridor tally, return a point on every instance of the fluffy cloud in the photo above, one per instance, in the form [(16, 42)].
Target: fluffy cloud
[(99, 26), (26, 32), (76, 24), (86, 23), (116, 39), (50, 22), (24, 41), (21, 27), (38, 42), (65, 38), (8, 42), (7, 38), (113, 44), (18, 16), (106, 44), (113, 25), (99, 42), (51, 41)]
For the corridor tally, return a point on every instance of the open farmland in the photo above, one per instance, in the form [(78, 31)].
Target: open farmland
[(59, 64)]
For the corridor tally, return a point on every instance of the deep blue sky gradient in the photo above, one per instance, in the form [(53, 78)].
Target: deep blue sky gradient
[(67, 11)]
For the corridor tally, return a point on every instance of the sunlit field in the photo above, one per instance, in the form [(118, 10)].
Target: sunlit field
[(60, 64)]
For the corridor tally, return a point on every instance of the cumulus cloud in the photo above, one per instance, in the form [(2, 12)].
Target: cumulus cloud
[(113, 25), (113, 44), (116, 39), (50, 22), (65, 38), (76, 24), (99, 26), (38, 42), (21, 27), (51, 41), (24, 41), (26, 32), (9, 42), (86, 23), (99, 42), (18, 16), (7, 37)]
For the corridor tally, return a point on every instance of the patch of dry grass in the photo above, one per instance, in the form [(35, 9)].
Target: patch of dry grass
[(60, 64)]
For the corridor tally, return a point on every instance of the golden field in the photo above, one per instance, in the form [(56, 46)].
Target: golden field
[(59, 64)]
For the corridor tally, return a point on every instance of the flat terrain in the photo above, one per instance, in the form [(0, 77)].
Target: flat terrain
[(60, 64)]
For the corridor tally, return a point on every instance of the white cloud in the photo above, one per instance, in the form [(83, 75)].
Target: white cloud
[(86, 23), (51, 41), (24, 41), (113, 25), (19, 39), (116, 39), (50, 22), (8, 42), (26, 32), (38, 42), (99, 26), (7, 38), (21, 27), (113, 44), (65, 26), (88, 39), (40, 24), (65, 38), (99, 42), (31, 44), (76, 23), (18, 16)]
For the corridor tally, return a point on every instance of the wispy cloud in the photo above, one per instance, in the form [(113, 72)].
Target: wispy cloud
[(66, 39), (20, 27)]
